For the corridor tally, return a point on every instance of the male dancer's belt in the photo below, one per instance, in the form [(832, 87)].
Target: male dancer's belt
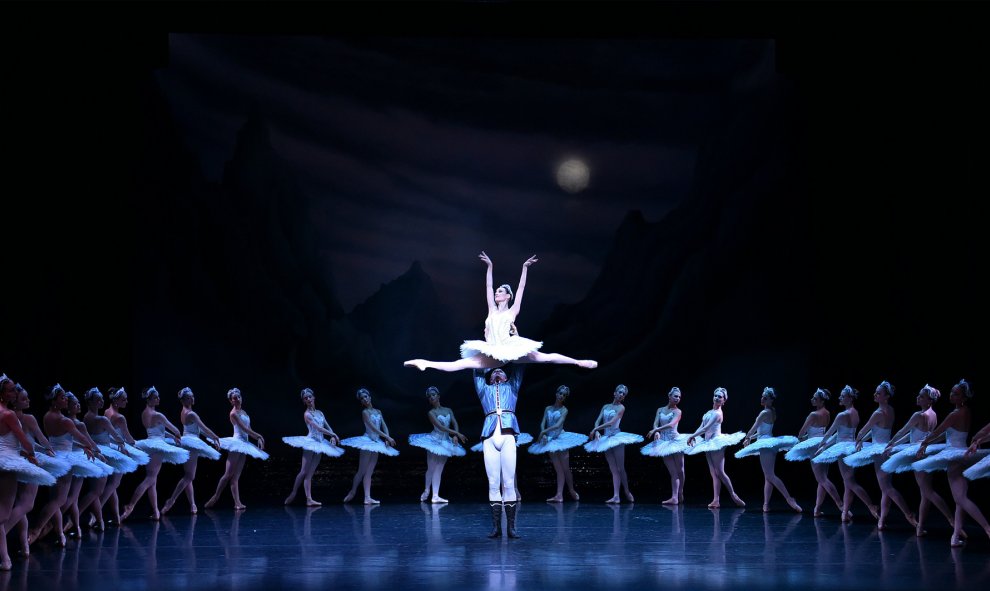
[(500, 411)]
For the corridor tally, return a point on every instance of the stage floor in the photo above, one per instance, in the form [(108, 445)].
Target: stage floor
[(563, 546)]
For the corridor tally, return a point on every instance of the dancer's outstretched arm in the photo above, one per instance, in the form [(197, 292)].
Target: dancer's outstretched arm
[(903, 434), (978, 439), (865, 431), (489, 282), (951, 420), (705, 423), (827, 440), (517, 302), (204, 429), (756, 424), (323, 427), (807, 425)]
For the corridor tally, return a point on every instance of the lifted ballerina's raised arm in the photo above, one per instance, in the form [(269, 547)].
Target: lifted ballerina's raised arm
[(502, 343)]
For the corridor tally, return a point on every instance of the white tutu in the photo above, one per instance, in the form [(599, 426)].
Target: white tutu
[(194, 443), (716, 443), (235, 445), (803, 450), (865, 455), (607, 442), (980, 469), (782, 443), (512, 348), (834, 452), (905, 454), (521, 439), (949, 455), (365, 443), (665, 447), (137, 455), (120, 463), (24, 471), (171, 454), (84, 467), (320, 446), (563, 441), (54, 466), (440, 445)]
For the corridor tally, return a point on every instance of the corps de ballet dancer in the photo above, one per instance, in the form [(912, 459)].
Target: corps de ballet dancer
[(238, 447), (832, 449), (158, 428), (61, 431), (111, 446), (320, 440), (669, 444), (502, 344), (76, 504), (811, 434), (713, 447), (955, 458), (376, 440), (118, 402), (759, 440), (18, 463), (193, 431), (902, 451), (45, 456), (607, 438), (554, 441), (878, 428), (442, 443)]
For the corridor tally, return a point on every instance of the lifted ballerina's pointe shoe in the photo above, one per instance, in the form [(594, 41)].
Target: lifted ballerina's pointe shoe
[(510, 520), (496, 508)]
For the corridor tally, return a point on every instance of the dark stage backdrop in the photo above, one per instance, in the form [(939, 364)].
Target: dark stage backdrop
[(811, 216)]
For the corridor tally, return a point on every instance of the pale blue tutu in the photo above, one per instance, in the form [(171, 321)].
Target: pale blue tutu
[(120, 463), (980, 469), (660, 448), (949, 455), (521, 440), (835, 452), (607, 442), (83, 467), (54, 466), (716, 443), (171, 454), (563, 441), (782, 443), (194, 443), (865, 455), (439, 444), (320, 446), (365, 443), (803, 450), (24, 471), (235, 445)]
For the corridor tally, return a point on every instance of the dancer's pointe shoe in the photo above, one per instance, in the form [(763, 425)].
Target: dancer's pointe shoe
[(670, 501), (556, 499), (793, 505), (6, 564), (424, 496), (92, 521), (169, 504), (128, 509), (875, 512), (847, 517), (193, 510), (349, 497), (438, 500), (313, 503), (714, 505), (289, 499), (766, 508), (419, 364), (739, 502), (575, 495), (156, 516), (881, 526), (209, 504), (912, 520), (920, 532), (240, 507), (588, 363), (629, 497), (614, 500), (956, 542), (371, 501), (60, 542)]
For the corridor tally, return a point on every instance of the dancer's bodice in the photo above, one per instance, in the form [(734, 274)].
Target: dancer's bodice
[(816, 431), (917, 435), (764, 430), (879, 434), (955, 438), (844, 433), (239, 432), (607, 415), (715, 428), (498, 327), (375, 418)]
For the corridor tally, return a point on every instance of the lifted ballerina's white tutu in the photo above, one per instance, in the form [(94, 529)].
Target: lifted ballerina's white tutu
[(500, 343)]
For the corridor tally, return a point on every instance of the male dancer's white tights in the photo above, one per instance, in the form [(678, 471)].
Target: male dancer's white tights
[(500, 461)]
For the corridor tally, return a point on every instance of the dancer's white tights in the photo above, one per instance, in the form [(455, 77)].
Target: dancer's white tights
[(500, 464)]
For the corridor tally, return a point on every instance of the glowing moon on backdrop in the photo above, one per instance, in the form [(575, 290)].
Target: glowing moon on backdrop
[(573, 175)]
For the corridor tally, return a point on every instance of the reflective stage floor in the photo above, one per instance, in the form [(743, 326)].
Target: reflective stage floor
[(569, 546)]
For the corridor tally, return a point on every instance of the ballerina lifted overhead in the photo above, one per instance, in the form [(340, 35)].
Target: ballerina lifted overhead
[(502, 344)]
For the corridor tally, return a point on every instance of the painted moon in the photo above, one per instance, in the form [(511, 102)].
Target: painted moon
[(572, 175)]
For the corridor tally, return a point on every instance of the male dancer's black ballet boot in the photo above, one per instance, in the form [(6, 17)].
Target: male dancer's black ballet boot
[(496, 520), (510, 519)]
